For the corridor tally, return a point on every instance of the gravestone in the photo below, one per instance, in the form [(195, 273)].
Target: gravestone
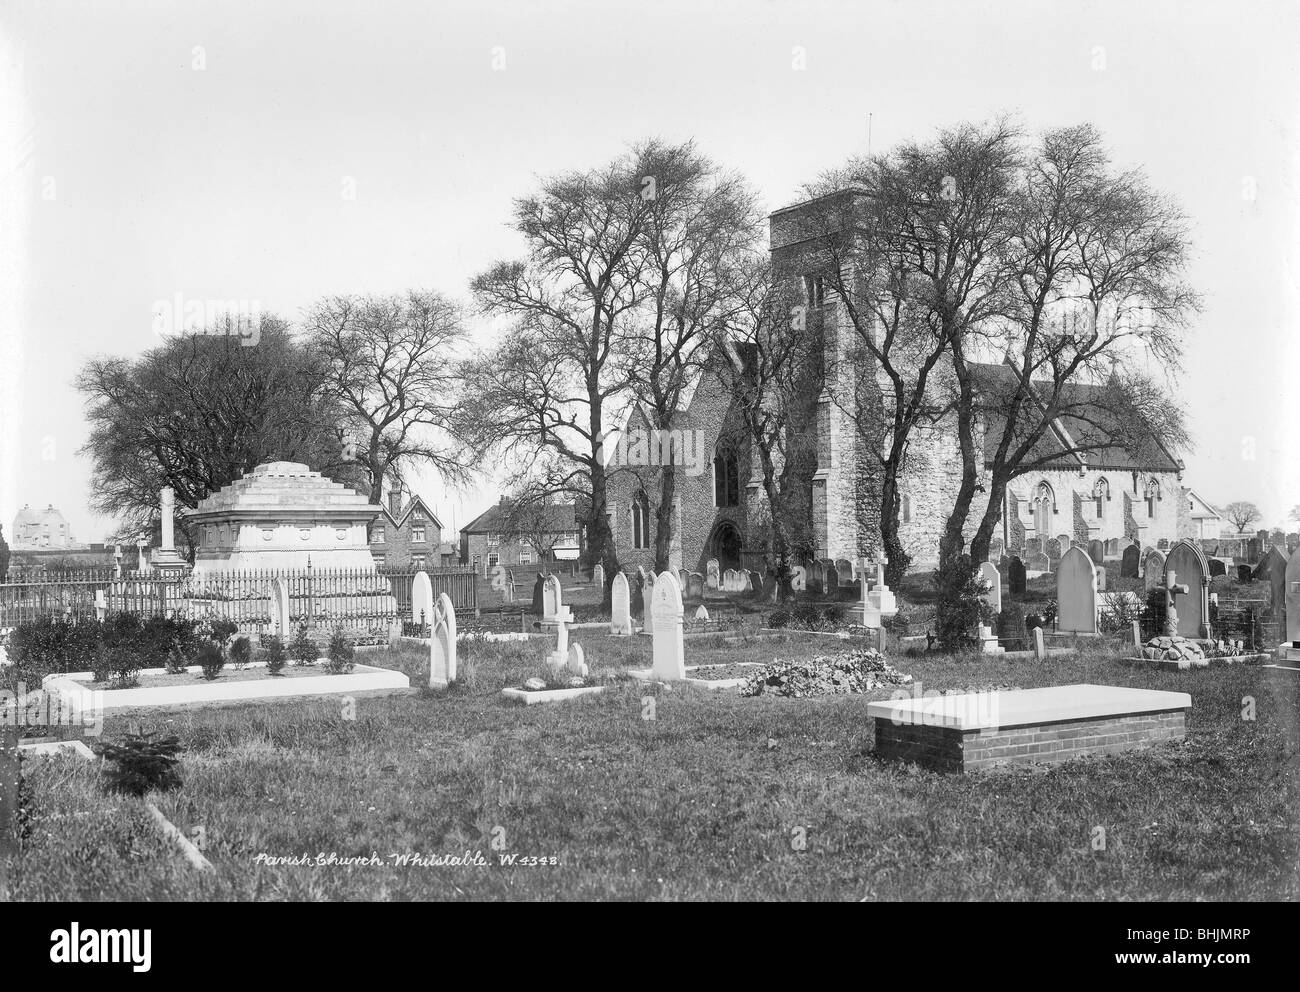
[(669, 649), (1186, 559), (1273, 571), (442, 644), (702, 612), (421, 598), (844, 569), (1053, 551), (683, 578), (1033, 545), (538, 586), (552, 598), (1037, 561), (711, 573), (1153, 568), (620, 623), (990, 575), (1253, 550), (1097, 552), (1016, 578), (1244, 573), (598, 576), (1076, 593), (578, 661), (280, 608), (1128, 567), (996, 549), (1112, 548), (731, 580), (1290, 650), (1217, 567), (756, 583), (832, 579), (694, 585), (648, 599)]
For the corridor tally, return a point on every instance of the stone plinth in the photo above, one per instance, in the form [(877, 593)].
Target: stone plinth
[(966, 731), (280, 515)]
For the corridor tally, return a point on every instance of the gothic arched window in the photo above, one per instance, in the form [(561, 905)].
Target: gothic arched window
[(1044, 503), (640, 521), (726, 479), (1152, 495), (1101, 495)]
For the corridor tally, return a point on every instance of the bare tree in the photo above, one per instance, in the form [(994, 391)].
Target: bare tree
[(1242, 514), (545, 392), (1093, 265), (699, 239), (392, 362), (766, 368)]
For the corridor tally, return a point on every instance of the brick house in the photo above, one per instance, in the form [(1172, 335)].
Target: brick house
[(1108, 495), (406, 534), (498, 537)]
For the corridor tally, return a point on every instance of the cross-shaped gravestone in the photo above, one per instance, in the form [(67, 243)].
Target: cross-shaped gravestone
[(1171, 588)]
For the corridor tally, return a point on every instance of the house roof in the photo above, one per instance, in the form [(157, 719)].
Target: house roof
[(1208, 511), (411, 504), (557, 518), (1089, 422)]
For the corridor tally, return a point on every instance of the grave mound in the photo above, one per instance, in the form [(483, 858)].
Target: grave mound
[(861, 670), (1178, 649)]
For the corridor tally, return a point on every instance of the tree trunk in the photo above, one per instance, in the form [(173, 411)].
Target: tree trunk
[(664, 518), (897, 558), (951, 542)]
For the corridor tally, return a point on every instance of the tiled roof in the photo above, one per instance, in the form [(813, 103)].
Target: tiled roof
[(1088, 422), (559, 518)]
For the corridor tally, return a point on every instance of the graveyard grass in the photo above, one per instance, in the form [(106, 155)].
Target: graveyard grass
[(707, 801)]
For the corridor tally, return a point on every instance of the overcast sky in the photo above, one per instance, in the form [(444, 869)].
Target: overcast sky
[(201, 148)]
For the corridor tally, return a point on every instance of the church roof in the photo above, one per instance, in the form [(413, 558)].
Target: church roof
[(1088, 422)]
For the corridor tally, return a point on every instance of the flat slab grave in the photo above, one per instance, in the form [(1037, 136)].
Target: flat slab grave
[(362, 680), (968, 731)]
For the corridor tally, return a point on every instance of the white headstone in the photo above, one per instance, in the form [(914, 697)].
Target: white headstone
[(620, 622), (598, 576), (101, 604), (552, 598), (280, 608), (711, 573), (669, 650), (442, 645), (1076, 593), (167, 510), (701, 613), (989, 573), (421, 598), (577, 660)]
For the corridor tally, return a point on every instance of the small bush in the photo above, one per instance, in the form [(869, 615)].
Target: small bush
[(340, 653), (303, 648), (274, 650), (211, 660), (805, 615), (241, 650), (960, 608), (141, 764), (176, 662), (778, 619)]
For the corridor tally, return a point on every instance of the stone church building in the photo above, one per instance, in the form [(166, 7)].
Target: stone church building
[(719, 510)]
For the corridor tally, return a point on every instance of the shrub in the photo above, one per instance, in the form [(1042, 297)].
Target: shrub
[(778, 619), (959, 608), (303, 648), (805, 615), (241, 649), (340, 653), (274, 650), (833, 615), (211, 660), (175, 662), (141, 763)]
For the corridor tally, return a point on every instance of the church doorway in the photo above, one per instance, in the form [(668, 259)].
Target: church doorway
[(725, 545)]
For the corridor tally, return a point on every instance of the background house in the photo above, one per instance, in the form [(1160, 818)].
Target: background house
[(407, 534), (529, 535)]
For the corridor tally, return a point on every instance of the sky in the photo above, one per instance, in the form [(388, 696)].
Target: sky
[(274, 152)]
